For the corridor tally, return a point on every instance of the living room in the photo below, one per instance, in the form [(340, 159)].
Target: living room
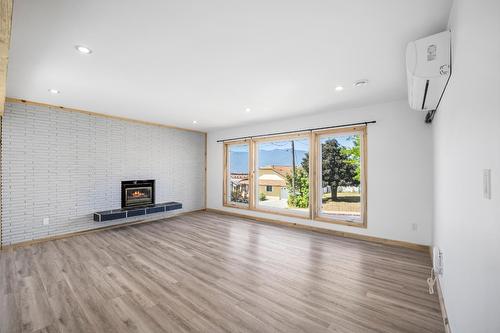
[(266, 166)]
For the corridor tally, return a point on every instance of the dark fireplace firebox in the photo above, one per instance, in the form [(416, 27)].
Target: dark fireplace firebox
[(138, 193)]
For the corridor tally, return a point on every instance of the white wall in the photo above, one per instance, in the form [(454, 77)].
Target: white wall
[(68, 165), (399, 169), (467, 140)]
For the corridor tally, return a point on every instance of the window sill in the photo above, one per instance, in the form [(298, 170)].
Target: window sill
[(301, 216), (361, 224), (239, 206), (282, 213)]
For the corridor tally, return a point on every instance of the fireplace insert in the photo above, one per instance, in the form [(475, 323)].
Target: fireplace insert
[(138, 193)]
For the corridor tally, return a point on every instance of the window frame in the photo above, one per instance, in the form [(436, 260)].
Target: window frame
[(225, 189), (279, 211), (314, 209), (317, 173)]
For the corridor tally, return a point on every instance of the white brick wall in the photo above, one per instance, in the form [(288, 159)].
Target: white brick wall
[(67, 165)]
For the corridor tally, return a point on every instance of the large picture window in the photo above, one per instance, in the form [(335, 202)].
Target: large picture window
[(319, 175), (282, 174)]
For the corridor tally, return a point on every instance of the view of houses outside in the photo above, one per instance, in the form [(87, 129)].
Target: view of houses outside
[(278, 162), (238, 173), (283, 175)]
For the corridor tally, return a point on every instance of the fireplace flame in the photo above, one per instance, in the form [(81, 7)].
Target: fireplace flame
[(137, 194)]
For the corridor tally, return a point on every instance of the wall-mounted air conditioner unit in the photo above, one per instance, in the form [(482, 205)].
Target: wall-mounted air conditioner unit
[(428, 66)]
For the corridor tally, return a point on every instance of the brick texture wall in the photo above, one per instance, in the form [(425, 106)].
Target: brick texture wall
[(67, 165)]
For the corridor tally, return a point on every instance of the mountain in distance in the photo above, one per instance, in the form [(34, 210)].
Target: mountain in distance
[(239, 160)]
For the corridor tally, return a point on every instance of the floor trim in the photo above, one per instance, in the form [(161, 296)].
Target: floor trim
[(439, 290), (446, 322), (408, 245), (89, 231)]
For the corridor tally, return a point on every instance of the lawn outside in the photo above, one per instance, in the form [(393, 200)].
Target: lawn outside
[(348, 203)]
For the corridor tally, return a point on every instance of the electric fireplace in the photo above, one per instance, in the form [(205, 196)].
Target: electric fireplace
[(138, 193)]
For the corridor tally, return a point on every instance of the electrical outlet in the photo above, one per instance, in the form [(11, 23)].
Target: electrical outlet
[(45, 221), (414, 227)]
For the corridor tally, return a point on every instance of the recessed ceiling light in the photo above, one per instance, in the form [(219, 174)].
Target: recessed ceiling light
[(248, 110), (360, 83), (339, 88), (83, 49), (54, 91), (195, 122)]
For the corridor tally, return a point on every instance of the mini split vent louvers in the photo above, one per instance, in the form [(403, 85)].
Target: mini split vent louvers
[(428, 66)]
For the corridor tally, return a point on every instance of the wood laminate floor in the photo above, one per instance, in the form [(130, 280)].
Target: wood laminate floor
[(204, 272)]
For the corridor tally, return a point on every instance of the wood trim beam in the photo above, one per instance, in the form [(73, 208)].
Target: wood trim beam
[(312, 178), (1, 182), (251, 174), (378, 240), (206, 170), (5, 32), (224, 175), (90, 113)]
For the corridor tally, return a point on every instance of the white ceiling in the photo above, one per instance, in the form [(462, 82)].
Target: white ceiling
[(175, 61)]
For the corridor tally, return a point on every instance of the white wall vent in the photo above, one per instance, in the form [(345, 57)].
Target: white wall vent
[(428, 67)]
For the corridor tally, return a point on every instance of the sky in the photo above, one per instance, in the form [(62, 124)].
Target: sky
[(344, 140), (239, 148), (301, 146)]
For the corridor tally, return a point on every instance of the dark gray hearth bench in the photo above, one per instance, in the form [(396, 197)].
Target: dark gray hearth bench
[(116, 214)]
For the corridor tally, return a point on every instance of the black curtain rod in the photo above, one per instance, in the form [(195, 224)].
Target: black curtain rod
[(298, 131)]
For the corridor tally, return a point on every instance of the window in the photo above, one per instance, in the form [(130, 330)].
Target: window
[(282, 174), (319, 175), (236, 180), (340, 185)]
